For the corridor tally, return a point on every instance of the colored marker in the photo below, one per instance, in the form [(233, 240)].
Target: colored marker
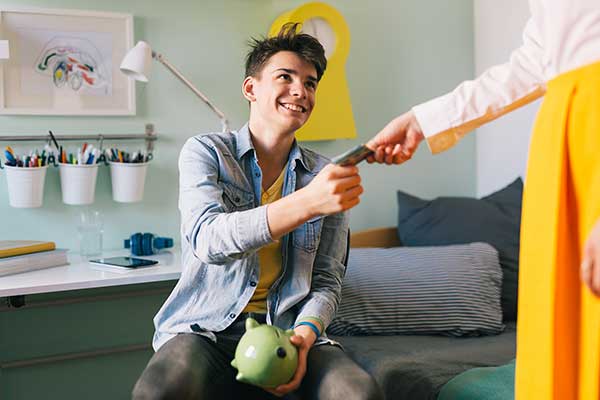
[(53, 139)]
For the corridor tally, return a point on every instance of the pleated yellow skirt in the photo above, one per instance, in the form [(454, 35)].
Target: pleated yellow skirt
[(558, 330)]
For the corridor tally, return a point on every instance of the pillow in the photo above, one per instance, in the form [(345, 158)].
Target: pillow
[(495, 219), (451, 290)]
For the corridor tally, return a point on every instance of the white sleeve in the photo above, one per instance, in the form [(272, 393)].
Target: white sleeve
[(499, 90)]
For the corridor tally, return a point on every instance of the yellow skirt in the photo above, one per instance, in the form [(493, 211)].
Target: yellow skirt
[(558, 334)]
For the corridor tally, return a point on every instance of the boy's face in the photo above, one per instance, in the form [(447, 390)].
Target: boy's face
[(282, 97)]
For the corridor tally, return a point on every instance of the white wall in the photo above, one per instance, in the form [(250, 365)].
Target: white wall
[(502, 145)]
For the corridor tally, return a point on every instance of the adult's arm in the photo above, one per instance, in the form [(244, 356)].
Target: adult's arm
[(499, 90)]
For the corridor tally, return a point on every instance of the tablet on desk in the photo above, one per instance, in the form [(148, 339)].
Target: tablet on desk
[(121, 264)]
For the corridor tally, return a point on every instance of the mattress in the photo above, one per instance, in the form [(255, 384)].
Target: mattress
[(417, 367)]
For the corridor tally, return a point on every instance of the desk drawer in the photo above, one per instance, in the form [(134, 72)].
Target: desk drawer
[(63, 334)]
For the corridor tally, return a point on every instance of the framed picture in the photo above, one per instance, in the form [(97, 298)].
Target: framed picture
[(65, 62)]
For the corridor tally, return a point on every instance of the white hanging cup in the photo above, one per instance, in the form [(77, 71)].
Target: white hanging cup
[(78, 183), (128, 181), (25, 186)]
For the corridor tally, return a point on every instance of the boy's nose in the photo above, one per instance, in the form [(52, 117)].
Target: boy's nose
[(298, 91)]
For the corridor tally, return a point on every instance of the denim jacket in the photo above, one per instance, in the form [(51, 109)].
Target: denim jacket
[(223, 224)]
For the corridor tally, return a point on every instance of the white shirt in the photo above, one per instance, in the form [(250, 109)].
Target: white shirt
[(560, 36)]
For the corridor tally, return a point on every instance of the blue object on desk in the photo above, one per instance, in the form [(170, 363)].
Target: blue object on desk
[(145, 244)]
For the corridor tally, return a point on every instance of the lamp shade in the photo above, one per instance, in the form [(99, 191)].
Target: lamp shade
[(4, 52), (137, 63)]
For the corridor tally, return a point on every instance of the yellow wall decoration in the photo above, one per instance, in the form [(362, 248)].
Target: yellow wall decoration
[(332, 116)]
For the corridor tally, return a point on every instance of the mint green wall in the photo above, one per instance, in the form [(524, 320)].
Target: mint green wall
[(402, 52)]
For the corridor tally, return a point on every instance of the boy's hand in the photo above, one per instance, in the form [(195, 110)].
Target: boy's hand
[(397, 141), (334, 189), (590, 264), (303, 340)]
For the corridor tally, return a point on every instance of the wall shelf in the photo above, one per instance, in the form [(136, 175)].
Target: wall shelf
[(149, 137)]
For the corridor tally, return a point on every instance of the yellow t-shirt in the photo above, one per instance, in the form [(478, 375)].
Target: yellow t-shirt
[(269, 256)]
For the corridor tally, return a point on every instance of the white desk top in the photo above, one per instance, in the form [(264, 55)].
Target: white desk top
[(79, 274)]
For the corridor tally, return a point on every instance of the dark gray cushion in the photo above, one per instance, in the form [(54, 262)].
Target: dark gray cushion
[(494, 219), (450, 290)]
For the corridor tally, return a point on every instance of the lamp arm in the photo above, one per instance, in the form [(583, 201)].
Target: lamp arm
[(189, 84)]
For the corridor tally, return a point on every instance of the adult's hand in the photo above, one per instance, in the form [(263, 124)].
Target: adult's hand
[(397, 141), (590, 265)]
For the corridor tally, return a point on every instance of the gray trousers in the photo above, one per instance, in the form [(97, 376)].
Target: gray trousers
[(190, 366)]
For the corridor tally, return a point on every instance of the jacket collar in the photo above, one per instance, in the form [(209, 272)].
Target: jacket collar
[(297, 154)]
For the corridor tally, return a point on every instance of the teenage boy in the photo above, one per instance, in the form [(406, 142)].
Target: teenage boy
[(264, 234)]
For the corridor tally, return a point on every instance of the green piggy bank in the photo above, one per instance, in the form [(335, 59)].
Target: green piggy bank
[(265, 356)]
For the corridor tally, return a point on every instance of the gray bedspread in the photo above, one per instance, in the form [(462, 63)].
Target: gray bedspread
[(416, 367)]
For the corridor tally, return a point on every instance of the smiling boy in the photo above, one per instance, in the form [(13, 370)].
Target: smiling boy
[(264, 234)]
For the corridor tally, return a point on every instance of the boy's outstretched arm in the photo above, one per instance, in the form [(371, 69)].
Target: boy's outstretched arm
[(218, 236), (333, 190)]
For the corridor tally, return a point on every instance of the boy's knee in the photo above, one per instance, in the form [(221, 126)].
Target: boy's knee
[(371, 390), (174, 372), (350, 384), (364, 388), (147, 389), (153, 385)]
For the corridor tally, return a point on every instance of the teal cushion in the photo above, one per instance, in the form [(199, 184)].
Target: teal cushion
[(492, 383)]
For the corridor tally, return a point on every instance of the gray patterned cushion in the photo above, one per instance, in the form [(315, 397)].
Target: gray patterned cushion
[(451, 290)]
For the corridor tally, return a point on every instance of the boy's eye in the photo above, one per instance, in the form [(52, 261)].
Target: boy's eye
[(311, 85), (285, 77)]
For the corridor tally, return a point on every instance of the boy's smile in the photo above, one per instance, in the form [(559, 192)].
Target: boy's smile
[(294, 107), (282, 97)]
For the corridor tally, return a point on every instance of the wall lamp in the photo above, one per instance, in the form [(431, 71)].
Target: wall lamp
[(137, 64)]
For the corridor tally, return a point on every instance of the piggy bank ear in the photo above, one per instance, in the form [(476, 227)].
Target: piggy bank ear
[(251, 324), (289, 333)]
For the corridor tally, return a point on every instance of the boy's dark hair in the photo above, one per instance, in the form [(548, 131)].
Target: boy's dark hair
[(288, 39)]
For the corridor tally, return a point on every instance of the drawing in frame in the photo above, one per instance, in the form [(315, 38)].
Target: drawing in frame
[(65, 62)]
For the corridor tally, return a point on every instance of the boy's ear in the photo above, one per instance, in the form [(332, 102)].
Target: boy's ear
[(248, 88)]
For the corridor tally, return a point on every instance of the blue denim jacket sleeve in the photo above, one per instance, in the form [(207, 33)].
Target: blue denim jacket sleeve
[(215, 236), (328, 271)]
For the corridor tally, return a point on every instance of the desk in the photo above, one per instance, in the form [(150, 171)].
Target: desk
[(92, 326), (79, 274)]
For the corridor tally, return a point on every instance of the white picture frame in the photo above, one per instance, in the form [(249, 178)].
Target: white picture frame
[(65, 62)]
